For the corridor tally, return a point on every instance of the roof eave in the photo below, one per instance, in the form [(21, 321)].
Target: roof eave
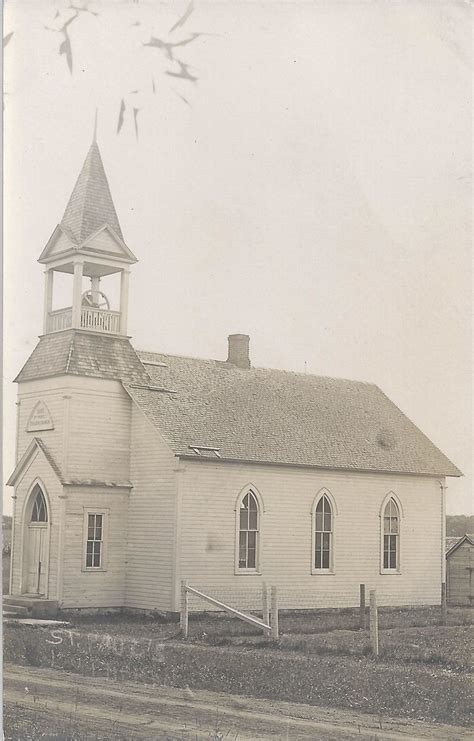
[(98, 484), (224, 459)]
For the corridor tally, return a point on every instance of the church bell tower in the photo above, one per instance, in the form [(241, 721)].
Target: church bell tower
[(88, 244), (74, 412)]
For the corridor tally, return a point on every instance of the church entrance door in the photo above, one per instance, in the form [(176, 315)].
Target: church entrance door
[(37, 558), (36, 547)]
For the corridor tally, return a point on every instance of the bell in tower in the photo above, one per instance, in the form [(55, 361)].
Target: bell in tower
[(88, 243), (95, 297)]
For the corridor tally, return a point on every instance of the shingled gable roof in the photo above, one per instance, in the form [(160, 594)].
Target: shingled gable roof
[(452, 544), (90, 206), (214, 410), (80, 353)]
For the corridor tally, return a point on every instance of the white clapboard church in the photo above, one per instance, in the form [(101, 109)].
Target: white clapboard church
[(136, 470)]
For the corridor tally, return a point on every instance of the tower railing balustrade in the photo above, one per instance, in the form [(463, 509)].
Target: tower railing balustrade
[(98, 320), (60, 319)]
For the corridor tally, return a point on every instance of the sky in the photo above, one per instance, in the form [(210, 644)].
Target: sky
[(312, 188)]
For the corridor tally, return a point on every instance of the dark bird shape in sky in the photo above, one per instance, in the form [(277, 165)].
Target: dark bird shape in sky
[(185, 100), (82, 9), (183, 73), (65, 48), (184, 17), (190, 38), (167, 46), (64, 27), (7, 38), (136, 111), (121, 116)]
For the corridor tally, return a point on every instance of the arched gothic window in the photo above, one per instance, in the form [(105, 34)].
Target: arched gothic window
[(391, 535), (249, 530), (39, 512), (323, 534)]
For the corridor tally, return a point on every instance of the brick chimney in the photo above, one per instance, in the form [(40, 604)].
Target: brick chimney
[(239, 350)]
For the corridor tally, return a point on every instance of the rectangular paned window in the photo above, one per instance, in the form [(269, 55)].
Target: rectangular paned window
[(247, 550), (390, 551), (323, 550), (95, 539)]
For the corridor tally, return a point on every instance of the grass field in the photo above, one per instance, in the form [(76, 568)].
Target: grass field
[(216, 626), (446, 646), (422, 672)]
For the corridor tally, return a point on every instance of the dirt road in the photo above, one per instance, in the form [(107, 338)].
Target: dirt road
[(140, 711)]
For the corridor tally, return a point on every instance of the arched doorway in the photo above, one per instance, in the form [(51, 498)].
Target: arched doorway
[(36, 543)]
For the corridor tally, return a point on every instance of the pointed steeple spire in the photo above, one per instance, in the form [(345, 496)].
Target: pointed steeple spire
[(90, 205)]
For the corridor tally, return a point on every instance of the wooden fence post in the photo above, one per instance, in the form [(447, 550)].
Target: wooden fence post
[(265, 605), (362, 611), (274, 614), (184, 612), (374, 623), (444, 605)]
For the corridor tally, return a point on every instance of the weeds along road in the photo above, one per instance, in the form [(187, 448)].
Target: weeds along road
[(143, 711)]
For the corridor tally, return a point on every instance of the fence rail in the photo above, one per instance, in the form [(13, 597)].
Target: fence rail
[(268, 626), (362, 613)]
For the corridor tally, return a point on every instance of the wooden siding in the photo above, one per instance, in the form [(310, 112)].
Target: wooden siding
[(460, 575), (100, 436), (151, 540), (178, 520), (38, 469), (105, 588), (207, 539), (92, 442), (27, 400)]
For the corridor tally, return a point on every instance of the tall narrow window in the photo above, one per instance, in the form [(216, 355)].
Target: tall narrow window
[(323, 526), (39, 513), (248, 532), (95, 541), (391, 535)]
